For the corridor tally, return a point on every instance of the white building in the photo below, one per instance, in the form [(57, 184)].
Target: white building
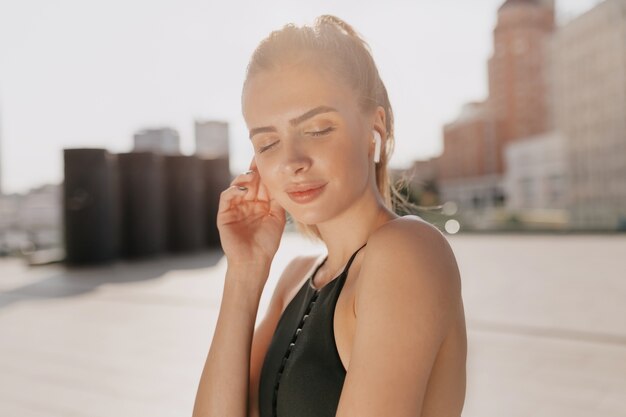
[(160, 140), (536, 176), (31, 220), (588, 76), (211, 139)]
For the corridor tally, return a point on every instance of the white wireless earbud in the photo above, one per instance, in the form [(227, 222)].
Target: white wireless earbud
[(377, 145)]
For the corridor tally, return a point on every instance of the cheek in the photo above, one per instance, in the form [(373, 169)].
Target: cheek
[(264, 175), (268, 177), (352, 159)]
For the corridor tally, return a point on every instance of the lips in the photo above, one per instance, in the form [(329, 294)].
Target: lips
[(296, 188), (304, 193)]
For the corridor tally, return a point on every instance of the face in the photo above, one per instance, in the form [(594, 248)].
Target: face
[(308, 132)]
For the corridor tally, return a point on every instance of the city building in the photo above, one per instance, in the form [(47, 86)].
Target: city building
[(472, 165), (423, 172), (32, 220), (588, 78), (518, 91), (470, 144), (536, 180), (211, 139), (164, 140), (469, 170)]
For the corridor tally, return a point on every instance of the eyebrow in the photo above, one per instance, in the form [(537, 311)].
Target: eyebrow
[(296, 121)]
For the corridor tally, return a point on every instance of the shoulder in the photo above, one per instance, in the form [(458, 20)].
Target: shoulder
[(292, 277), (406, 239), (407, 303), (410, 257), (286, 286), (411, 230)]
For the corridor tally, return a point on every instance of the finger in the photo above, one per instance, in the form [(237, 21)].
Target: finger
[(263, 193), (243, 178), (248, 180), (253, 186), (276, 209), (232, 195)]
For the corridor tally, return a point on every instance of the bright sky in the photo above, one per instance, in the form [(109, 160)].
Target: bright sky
[(76, 73)]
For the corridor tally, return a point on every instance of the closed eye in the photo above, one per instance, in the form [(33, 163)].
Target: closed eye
[(266, 147), (321, 132), (312, 133)]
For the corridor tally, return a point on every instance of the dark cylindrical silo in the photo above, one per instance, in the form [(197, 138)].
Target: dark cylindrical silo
[(185, 204), (142, 192), (90, 206), (216, 180)]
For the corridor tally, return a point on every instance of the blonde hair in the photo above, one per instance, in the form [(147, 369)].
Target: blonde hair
[(349, 58)]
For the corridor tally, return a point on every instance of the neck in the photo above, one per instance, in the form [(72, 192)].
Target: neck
[(347, 232)]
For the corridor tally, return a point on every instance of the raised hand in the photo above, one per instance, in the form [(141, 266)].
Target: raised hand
[(249, 220)]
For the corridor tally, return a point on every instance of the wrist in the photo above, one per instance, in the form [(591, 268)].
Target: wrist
[(253, 266), (247, 278)]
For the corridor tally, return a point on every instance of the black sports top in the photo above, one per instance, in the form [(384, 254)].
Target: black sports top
[(302, 374)]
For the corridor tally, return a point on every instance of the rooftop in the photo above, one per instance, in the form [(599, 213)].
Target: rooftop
[(546, 335)]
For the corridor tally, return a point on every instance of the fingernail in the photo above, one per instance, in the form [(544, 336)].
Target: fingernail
[(242, 188)]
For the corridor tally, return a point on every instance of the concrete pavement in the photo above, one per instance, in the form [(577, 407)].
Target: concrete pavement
[(545, 315)]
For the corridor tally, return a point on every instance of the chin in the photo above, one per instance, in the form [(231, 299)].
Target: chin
[(309, 215), (318, 211), (308, 218), (314, 215)]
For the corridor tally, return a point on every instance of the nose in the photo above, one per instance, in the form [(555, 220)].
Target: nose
[(296, 160)]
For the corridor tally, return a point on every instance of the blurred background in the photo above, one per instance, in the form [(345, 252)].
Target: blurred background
[(120, 124)]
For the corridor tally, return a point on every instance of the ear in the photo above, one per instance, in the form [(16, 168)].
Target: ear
[(379, 122)]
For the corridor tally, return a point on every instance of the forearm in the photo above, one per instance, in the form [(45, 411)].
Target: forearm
[(223, 387)]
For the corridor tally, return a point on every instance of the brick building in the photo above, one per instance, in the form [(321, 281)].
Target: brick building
[(472, 164)]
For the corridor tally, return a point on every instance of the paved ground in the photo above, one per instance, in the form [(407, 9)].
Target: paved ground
[(545, 315)]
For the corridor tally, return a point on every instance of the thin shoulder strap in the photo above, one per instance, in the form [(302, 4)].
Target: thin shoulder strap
[(352, 257)]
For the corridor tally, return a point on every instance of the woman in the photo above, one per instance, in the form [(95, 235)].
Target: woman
[(376, 327)]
